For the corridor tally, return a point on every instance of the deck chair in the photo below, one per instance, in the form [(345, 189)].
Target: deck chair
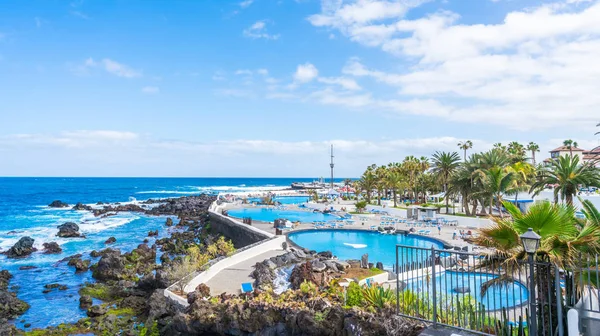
[(247, 287)]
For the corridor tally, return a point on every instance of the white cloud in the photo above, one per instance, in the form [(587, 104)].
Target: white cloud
[(305, 73), (244, 72), (150, 90), (258, 30), (536, 69), (79, 14), (117, 153), (346, 83), (246, 3), (108, 65)]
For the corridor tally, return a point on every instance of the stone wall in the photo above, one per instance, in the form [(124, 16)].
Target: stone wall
[(240, 234)]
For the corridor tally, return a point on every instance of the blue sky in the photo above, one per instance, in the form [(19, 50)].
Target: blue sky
[(261, 88)]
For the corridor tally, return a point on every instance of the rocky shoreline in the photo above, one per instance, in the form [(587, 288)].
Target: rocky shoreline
[(130, 287)]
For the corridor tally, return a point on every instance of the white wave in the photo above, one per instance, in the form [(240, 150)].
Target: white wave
[(356, 246), (240, 188), (94, 226), (167, 192)]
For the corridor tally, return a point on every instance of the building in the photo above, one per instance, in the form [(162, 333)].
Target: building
[(564, 151), (592, 156)]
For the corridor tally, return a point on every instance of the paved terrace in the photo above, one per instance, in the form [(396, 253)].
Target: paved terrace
[(230, 279)]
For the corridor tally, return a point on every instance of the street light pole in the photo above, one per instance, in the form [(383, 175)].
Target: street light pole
[(531, 242), (532, 303)]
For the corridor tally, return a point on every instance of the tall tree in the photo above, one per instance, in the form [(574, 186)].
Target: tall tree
[(567, 174), (516, 151), (533, 147), (444, 164), (497, 181), (395, 181), (465, 145), (570, 144), (347, 184)]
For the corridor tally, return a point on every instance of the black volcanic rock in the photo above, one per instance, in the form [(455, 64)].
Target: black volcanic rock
[(58, 204), (22, 248), (52, 248), (81, 206), (68, 230)]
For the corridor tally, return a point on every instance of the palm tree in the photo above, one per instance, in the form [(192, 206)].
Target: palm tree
[(465, 145), (570, 144), (498, 181), (568, 175), (368, 182), (395, 181), (411, 166), (516, 151), (533, 147), (347, 184), (563, 238), (444, 165), (524, 173)]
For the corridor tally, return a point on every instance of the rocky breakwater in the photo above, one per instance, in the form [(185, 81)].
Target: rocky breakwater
[(305, 312), (125, 281), (318, 268), (10, 306)]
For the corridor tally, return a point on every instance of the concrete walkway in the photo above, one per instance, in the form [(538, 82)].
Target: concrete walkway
[(230, 279)]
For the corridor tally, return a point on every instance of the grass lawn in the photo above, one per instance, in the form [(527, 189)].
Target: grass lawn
[(362, 273)]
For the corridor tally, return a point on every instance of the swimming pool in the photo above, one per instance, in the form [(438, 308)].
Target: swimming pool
[(284, 199), (496, 297), (352, 244), (269, 215)]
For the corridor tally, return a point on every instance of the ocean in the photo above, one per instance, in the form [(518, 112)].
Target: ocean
[(24, 211)]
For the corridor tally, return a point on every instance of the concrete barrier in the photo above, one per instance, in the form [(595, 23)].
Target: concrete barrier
[(241, 234)]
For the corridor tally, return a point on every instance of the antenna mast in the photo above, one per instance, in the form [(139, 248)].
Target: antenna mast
[(331, 165)]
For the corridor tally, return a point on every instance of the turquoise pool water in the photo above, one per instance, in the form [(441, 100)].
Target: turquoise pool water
[(269, 215), (380, 247), (284, 199), (352, 244), (496, 297)]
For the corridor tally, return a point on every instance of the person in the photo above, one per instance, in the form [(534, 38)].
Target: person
[(454, 235)]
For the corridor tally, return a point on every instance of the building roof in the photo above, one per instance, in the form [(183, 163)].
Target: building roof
[(566, 149), (595, 151)]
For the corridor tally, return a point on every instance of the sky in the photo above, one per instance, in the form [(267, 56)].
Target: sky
[(264, 87)]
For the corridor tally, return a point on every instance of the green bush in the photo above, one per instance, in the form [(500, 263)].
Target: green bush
[(360, 206), (307, 287), (378, 297), (354, 295)]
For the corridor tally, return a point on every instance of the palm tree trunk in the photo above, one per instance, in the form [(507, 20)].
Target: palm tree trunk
[(465, 202), (394, 194), (491, 205), (474, 212), (569, 199), (498, 205), (483, 212), (533, 157), (465, 155), (446, 195)]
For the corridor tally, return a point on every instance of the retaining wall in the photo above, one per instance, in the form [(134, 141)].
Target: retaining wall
[(240, 234)]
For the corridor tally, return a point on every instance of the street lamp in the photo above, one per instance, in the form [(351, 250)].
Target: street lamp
[(531, 243)]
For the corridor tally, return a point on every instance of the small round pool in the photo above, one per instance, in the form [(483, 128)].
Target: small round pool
[(352, 244), (269, 215)]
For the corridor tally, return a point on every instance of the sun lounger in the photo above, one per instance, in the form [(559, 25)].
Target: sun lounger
[(247, 287)]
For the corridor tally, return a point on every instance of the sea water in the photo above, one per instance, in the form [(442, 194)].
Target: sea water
[(24, 212)]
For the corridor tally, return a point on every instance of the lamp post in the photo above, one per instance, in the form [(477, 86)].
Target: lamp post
[(531, 243)]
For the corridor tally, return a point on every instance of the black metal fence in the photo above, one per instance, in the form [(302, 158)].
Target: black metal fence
[(582, 293), (480, 294)]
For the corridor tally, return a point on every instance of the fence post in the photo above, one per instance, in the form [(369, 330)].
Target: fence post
[(559, 300), (433, 282), (397, 284)]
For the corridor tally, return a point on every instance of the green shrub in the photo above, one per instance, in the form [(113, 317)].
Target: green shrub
[(307, 287), (377, 296), (360, 206), (354, 295)]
